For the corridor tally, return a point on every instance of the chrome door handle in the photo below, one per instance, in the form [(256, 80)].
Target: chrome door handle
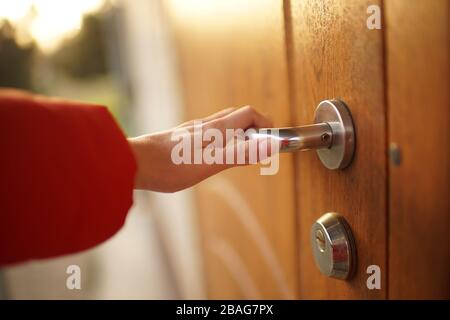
[(314, 136), (332, 135)]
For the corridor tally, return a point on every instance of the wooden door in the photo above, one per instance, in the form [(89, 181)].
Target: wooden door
[(284, 57), (232, 53), (334, 54), (418, 69)]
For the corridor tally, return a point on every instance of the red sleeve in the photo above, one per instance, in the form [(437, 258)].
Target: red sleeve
[(66, 176)]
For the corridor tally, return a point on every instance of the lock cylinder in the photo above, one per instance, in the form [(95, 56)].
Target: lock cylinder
[(333, 246)]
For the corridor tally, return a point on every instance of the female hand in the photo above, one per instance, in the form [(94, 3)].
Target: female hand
[(156, 168)]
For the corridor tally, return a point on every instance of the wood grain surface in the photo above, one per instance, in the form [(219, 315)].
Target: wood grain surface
[(233, 53), (418, 64), (284, 57), (335, 55)]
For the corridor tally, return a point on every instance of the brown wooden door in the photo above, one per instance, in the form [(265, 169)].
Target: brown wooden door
[(418, 71), (232, 53), (334, 54), (284, 57)]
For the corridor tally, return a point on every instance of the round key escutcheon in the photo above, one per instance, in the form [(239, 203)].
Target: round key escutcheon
[(333, 246), (340, 153)]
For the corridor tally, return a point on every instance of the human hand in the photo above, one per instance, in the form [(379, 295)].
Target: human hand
[(156, 169)]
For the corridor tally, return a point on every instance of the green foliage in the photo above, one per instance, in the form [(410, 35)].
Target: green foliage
[(15, 61), (85, 54)]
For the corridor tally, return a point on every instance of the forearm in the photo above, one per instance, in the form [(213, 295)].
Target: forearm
[(67, 176)]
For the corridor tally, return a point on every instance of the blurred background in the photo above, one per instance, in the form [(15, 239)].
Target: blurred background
[(119, 54), (239, 234)]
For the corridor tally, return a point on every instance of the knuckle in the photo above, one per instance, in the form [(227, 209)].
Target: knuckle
[(219, 124), (249, 108)]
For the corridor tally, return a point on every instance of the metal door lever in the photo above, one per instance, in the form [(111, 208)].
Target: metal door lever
[(332, 135)]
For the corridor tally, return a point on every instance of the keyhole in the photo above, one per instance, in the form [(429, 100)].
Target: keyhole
[(320, 240)]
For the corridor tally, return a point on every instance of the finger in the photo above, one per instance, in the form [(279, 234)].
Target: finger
[(211, 117), (241, 153), (219, 114), (242, 118), (247, 117)]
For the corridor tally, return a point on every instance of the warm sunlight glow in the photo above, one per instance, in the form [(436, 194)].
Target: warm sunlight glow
[(48, 21), (207, 8), (217, 13)]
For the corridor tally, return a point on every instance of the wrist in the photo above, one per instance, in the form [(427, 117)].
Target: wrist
[(137, 149)]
